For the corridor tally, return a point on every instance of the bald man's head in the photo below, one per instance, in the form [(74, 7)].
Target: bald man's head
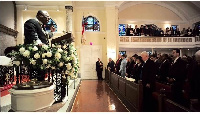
[(145, 56), (43, 16)]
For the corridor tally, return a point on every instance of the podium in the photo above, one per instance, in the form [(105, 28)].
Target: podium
[(67, 38)]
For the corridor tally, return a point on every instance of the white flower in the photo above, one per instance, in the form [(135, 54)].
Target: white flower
[(45, 47), (35, 48), (65, 52), (48, 66), (64, 46), (68, 58), (66, 72), (22, 50), (49, 54), (44, 61), (53, 45), (16, 63), (60, 64), (37, 55), (69, 66), (43, 55), (53, 67), (71, 74), (33, 62), (26, 53), (57, 55), (60, 50), (58, 46)]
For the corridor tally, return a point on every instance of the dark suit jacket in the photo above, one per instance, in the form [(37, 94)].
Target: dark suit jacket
[(111, 65), (149, 73), (117, 65), (138, 72), (33, 31), (178, 70), (164, 70), (98, 66)]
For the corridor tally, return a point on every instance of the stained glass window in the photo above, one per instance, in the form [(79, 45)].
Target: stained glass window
[(49, 24), (91, 24)]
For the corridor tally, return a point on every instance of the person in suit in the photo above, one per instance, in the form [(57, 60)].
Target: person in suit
[(111, 65), (148, 81), (99, 69), (157, 64), (129, 67), (196, 78), (164, 68), (34, 29), (138, 69), (117, 65), (177, 76), (133, 65), (123, 66)]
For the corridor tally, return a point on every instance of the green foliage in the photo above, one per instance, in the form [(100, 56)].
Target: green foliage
[(45, 57)]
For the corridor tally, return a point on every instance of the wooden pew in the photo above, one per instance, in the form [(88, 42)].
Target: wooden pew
[(129, 93)]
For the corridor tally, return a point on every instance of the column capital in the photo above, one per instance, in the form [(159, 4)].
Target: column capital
[(69, 7)]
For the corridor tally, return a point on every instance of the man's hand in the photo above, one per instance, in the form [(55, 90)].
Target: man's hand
[(53, 29), (40, 44)]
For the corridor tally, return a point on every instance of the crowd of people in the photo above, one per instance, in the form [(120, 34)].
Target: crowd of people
[(153, 30), (166, 68)]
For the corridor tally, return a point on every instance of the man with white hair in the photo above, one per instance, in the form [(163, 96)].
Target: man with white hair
[(34, 29), (148, 81)]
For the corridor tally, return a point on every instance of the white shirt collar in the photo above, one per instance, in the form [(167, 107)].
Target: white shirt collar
[(39, 21), (175, 59)]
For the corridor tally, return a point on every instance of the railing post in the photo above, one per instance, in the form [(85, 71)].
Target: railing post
[(17, 74), (140, 96), (74, 82), (160, 100), (67, 84)]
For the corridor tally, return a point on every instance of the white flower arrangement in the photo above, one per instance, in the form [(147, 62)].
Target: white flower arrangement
[(35, 48), (45, 57)]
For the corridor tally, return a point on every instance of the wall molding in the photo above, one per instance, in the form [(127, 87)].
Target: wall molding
[(15, 15), (8, 31)]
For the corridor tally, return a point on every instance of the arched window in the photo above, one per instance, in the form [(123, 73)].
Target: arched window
[(91, 24)]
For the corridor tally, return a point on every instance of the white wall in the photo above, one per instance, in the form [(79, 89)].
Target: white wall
[(7, 14), (147, 13), (6, 19)]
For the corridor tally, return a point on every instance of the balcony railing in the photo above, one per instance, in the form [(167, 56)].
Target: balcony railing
[(159, 42)]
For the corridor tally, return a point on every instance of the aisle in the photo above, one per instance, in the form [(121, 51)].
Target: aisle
[(96, 96)]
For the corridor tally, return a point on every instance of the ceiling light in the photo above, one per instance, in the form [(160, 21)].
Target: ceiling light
[(25, 8), (57, 9)]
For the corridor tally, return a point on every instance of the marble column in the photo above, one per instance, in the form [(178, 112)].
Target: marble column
[(181, 55), (69, 10), (112, 33)]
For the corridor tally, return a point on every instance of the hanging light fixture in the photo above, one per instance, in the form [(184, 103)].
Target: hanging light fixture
[(25, 7), (57, 8)]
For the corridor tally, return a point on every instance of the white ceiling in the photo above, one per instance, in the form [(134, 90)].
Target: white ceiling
[(188, 9)]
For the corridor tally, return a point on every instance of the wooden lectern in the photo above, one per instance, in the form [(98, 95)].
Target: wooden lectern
[(67, 38)]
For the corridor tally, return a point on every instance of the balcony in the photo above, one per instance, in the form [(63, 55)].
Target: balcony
[(158, 42)]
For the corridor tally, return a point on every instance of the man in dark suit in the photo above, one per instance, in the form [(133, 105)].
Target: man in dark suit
[(148, 81), (34, 29), (99, 69), (117, 65), (177, 76), (111, 65), (164, 68)]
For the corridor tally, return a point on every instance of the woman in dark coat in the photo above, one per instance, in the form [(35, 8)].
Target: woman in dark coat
[(138, 69)]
